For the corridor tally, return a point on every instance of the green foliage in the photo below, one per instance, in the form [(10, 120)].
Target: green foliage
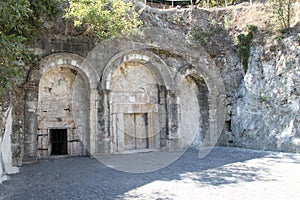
[(103, 18), (15, 59), (26, 17), (243, 45), (212, 3), (21, 21), (252, 28), (198, 35), (283, 11), (14, 15), (263, 98), (281, 36), (298, 38), (243, 54), (43, 10)]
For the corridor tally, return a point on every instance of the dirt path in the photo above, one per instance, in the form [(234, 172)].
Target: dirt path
[(227, 173)]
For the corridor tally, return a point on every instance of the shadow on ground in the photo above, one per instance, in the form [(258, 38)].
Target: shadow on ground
[(87, 178)]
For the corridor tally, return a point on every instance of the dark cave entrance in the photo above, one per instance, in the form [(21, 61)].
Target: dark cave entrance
[(59, 141)]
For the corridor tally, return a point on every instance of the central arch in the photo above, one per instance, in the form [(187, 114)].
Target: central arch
[(136, 81), (134, 108)]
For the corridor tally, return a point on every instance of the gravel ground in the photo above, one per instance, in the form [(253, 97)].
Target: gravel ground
[(227, 173)]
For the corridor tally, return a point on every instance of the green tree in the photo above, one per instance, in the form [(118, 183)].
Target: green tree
[(13, 38), (103, 18), (21, 22)]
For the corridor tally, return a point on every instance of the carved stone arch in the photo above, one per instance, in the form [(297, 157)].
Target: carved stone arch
[(157, 65), (130, 102), (210, 98), (82, 100), (69, 59)]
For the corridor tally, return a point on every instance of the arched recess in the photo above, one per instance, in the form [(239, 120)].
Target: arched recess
[(63, 112), (136, 82), (201, 100), (194, 109), (60, 101)]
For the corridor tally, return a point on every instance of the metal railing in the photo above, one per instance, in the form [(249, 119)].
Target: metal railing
[(172, 2), (191, 2)]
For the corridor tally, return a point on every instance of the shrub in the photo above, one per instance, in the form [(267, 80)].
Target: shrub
[(243, 46), (198, 35)]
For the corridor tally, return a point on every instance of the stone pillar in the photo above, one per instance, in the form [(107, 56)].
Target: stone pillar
[(163, 115), (172, 120), (103, 137), (93, 121), (30, 124)]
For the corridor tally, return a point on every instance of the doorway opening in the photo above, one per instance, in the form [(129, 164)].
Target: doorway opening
[(136, 131), (59, 141)]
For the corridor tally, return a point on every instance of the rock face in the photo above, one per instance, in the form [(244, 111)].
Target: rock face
[(266, 109), (263, 104), (175, 84)]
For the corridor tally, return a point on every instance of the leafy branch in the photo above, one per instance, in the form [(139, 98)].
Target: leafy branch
[(103, 18), (21, 22)]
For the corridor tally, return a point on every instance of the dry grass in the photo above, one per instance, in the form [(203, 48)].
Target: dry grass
[(260, 15)]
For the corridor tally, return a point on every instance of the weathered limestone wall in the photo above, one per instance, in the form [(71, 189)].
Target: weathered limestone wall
[(63, 104), (25, 126), (171, 62), (191, 90), (266, 112), (129, 93)]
